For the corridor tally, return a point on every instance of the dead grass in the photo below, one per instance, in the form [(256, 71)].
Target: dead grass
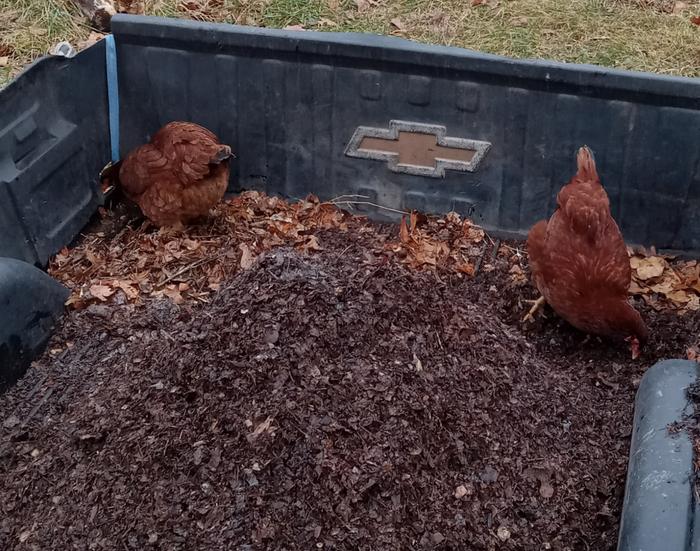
[(646, 35)]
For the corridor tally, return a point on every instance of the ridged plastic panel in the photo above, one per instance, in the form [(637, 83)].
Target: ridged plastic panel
[(290, 102)]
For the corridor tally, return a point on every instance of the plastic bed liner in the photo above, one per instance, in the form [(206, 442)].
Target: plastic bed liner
[(660, 510), (402, 124)]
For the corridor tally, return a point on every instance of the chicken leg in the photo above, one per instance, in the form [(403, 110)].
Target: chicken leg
[(536, 305)]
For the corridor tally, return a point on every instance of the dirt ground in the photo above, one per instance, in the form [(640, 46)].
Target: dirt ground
[(331, 397)]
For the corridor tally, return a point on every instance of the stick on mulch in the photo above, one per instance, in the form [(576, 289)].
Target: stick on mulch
[(331, 396)]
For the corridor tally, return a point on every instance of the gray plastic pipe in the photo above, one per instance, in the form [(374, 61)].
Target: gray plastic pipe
[(659, 508)]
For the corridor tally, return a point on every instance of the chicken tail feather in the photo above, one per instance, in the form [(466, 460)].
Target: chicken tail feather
[(587, 171)]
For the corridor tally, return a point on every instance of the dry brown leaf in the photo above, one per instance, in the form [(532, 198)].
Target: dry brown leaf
[(664, 287), (93, 38), (679, 7), (133, 7), (101, 292), (695, 20), (413, 220), (294, 28), (466, 268), (635, 289), (677, 284), (247, 258), (472, 232), (265, 426), (172, 292), (361, 5), (190, 244), (201, 259), (6, 49), (678, 296), (517, 274), (396, 22), (94, 259), (650, 267), (75, 301), (311, 244), (4, 61), (403, 231), (127, 287), (429, 252)]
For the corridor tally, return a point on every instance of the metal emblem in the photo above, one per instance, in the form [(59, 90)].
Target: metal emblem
[(417, 148)]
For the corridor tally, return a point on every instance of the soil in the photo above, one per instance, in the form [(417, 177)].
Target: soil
[(331, 399)]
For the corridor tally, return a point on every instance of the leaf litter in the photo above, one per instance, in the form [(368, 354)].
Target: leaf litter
[(288, 376), (664, 282), (189, 265)]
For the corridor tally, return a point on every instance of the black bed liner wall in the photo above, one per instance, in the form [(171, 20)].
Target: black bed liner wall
[(290, 103)]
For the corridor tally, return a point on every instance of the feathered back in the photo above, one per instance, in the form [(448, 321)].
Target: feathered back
[(583, 200), (191, 150), (579, 260)]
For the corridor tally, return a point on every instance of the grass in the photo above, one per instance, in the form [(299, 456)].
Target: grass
[(632, 34)]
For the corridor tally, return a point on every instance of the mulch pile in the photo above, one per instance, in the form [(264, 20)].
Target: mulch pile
[(347, 386)]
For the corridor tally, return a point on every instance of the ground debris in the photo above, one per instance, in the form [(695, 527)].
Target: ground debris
[(339, 391), (140, 263), (664, 282)]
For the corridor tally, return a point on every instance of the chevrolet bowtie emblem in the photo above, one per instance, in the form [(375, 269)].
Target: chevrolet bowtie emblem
[(417, 148)]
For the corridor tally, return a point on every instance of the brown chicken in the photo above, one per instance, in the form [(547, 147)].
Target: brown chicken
[(579, 261), (178, 176)]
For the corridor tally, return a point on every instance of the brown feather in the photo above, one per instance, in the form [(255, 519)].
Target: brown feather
[(179, 175), (579, 260)]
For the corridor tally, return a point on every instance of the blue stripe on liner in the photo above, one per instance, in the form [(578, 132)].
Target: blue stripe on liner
[(112, 95)]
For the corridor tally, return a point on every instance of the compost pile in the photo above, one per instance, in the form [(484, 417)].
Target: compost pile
[(348, 386)]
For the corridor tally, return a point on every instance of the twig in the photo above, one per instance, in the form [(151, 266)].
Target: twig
[(477, 265), (31, 414), (339, 201), (494, 252), (354, 195), (190, 267), (439, 341)]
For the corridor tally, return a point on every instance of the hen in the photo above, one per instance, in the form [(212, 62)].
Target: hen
[(178, 176), (579, 261)]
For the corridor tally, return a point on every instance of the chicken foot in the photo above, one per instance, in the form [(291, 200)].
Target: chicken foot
[(536, 305)]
